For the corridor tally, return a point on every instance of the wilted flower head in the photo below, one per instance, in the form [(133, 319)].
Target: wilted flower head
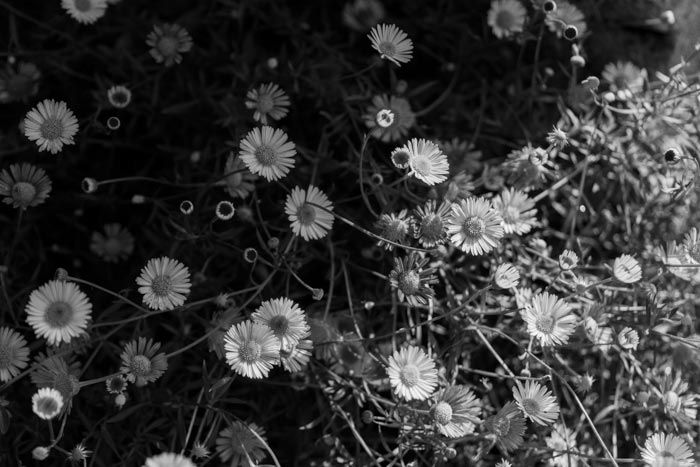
[(628, 339), (568, 260), (506, 276)]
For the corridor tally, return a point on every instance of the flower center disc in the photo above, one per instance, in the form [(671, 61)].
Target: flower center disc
[(250, 352), (501, 427), (266, 155), (422, 166), (51, 128), (141, 365), (47, 405), (279, 324), (167, 45), (409, 282), (387, 48), (531, 407), (473, 228), (161, 286), (59, 314), (23, 193), (545, 324), (306, 214), (409, 375), (83, 5), (6, 357), (505, 19), (443, 413), (265, 103), (431, 227)]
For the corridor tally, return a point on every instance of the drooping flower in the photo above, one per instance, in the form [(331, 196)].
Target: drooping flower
[(506, 17), (251, 349), (85, 11), (456, 411), (517, 210), (51, 125), (627, 269), (141, 364), (308, 212), (286, 320), (667, 450), (536, 402), (24, 185), (568, 260), (238, 181), (549, 319), (268, 101), (474, 226), (508, 426), (427, 162), (506, 276), (392, 43), (164, 283), (116, 244), (431, 223), (58, 311), (266, 152), (237, 442), (47, 403), (169, 459), (411, 280), (404, 118), (119, 96), (413, 375), (394, 227), (14, 353), (168, 42)]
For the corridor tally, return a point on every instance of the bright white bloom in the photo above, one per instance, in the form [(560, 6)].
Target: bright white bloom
[(549, 319), (51, 125), (308, 211), (47, 403), (667, 450), (286, 320), (627, 269), (474, 226), (391, 43), (517, 210), (251, 349), (164, 283), (14, 354), (58, 311), (266, 152), (506, 276), (536, 402), (412, 373), (85, 11), (168, 459), (427, 162)]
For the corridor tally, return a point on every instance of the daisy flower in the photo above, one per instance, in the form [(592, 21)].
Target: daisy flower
[(627, 269), (527, 168), (267, 100), (549, 319), (401, 158), (506, 276), (455, 411), (58, 311), (628, 339), (536, 402), (361, 15), (20, 84), (566, 15), (474, 226), (308, 212), (237, 443), (297, 358), (54, 372), (394, 227), (508, 426), (225, 210), (286, 320), (411, 280), (404, 118), (412, 374), (568, 260), (116, 244), (85, 11), (431, 224), (691, 245), (14, 354), (562, 442), (251, 349), (169, 459), (119, 96), (47, 403), (238, 181), (506, 17), (517, 210), (667, 450), (427, 162), (168, 42), (51, 125), (266, 152), (391, 43), (24, 185), (116, 384), (141, 364), (624, 75), (677, 400), (164, 283)]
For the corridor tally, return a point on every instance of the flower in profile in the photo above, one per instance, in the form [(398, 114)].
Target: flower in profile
[(79, 453), (54, 372), (506, 17), (168, 42), (508, 426), (85, 11), (47, 403), (564, 16), (624, 75), (549, 319), (394, 227), (164, 283), (475, 226), (297, 357), (431, 223), (568, 260), (691, 246), (251, 349), (427, 162), (455, 412), (116, 384), (141, 364), (20, 84), (678, 401), (14, 354), (266, 152), (237, 442), (628, 339), (506, 276), (536, 402), (286, 320), (169, 459), (562, 442), (361, 15), (392, 43), (238, 181), (58, 311), (517, 210), (667, 450), (24, 185), (51, 125), (119, 96), (401, 158), (116, 244), (308, 211), (268, 101), (413, 375), (411, 280), (627, 269), (404, 118)]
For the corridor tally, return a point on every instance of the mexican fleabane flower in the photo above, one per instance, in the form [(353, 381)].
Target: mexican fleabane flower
[(431, 223), (47, 403), (536, 402), (164, 283), (412, 374), (517, 210), (456, 411), (627, 269), (24, 185), (286, 320), (236, 444), (392, 43), (474, 226), (427, 162), (14, 353), (141, 362), (549, 319), (508, 426), (85, 11), (169, 459), (394, 129), (114, 245), (308, 212), (267, 101), (168, 42), (412, 280), (506, 17), (267, 152), (58, 311), (251, 349), (51, 125), (667, 450)]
